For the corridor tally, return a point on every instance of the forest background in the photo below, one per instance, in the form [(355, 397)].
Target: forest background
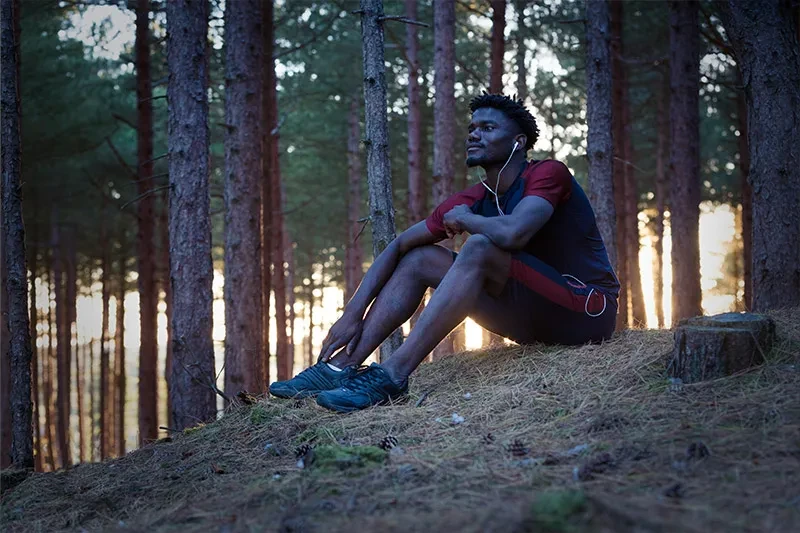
[(89, 188)]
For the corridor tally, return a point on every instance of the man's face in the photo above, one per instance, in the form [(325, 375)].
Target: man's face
[(491, 137)]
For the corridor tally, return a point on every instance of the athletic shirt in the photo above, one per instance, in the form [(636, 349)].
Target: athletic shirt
[(569, 241)]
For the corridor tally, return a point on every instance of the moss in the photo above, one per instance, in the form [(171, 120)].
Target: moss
[(259, 414), (334, 457), (555, 511)]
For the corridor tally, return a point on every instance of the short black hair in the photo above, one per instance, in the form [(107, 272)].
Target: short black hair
[(513, 109)]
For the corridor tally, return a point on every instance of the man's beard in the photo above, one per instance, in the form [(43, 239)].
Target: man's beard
[(475, 160)]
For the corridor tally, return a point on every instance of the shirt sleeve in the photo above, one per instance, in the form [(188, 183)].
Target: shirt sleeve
[(550, 180), (468, 197)]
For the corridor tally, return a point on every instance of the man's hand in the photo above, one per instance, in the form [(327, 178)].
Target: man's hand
[(452, 220), (346, 331)]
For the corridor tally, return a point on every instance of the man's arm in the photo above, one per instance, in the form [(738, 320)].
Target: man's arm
[(347, 330), (510, 232)]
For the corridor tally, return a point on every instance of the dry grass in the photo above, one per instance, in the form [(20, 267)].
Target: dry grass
[(717, 456)]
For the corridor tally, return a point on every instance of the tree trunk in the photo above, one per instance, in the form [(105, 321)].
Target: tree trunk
[(191, 269), (166, 285), (269, 121), (72, 335), (768, 53), (62, 348), (635, 295), (498, 45), (684, 164), (290, 299), (310, 340), (415, 201), (618, 80), (47, 373), (148, 297), (35, 358), (94, 443), (600, 145), (244, 354), (522, 66), (662, 151), (747, 199), (105, 398), (379, 171), (5, 364), (444, 113), (353, 256), (119, 354), (282, 354), (16, 282)]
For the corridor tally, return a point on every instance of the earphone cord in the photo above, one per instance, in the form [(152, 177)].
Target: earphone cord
[(497, 185)]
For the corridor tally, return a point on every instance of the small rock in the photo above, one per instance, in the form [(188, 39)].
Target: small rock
[(467, 396), (457, 419), (675, 384)]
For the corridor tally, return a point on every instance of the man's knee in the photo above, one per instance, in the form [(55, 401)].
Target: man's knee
[(477, 250), (420, 260)]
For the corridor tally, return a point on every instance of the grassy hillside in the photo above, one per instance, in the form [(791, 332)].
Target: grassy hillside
[(552, 439)]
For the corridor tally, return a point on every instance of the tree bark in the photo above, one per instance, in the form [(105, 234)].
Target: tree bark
[(105, 399), (684, 164), (498, 45), (290, 298), (282, 353), (379, 172), (5, 362), (71, 331), (47, 372), (353, 255), (600, 144), (35, 356), (768, 53), (16, 282), (191, 269), (662, 151), (62, 348), (444, 113), (244, 354), (269, 121), (310, 340), (746, 199), (635, 295), (415, 200), (119, 354), (522, 65), (166, 285), (618, 102), (148, 297)]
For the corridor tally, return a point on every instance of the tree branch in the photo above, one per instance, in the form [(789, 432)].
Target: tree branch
[(146, 193), (124, 120), (210, 383), (406, 20), (121, 161), (312, 40)]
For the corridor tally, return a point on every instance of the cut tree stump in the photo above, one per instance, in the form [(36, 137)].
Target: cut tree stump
[(710, 347)]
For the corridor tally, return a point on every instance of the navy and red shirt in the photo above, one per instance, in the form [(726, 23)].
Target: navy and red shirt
[(568, 242)]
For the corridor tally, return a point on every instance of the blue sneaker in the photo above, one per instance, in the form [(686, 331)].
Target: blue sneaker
[(370, 386), (312, 381)]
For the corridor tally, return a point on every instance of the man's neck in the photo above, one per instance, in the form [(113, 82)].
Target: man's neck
[(510, 173)]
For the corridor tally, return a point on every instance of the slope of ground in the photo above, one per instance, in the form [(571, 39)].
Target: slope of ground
[(552, 439)]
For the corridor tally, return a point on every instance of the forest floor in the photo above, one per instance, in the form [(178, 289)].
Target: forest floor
[(593, 438)]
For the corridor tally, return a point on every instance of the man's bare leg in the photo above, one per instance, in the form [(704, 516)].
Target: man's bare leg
[(419, 269), (481, 268)]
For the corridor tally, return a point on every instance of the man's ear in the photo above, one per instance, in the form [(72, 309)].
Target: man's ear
[(522, 140)]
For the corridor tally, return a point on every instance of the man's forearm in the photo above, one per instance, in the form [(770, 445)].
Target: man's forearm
[(496, 228), (376, 277)]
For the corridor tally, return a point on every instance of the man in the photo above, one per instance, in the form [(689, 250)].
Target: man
[(534, 268)]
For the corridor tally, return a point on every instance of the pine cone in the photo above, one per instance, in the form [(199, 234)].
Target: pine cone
[(302, 450), (517, 448), (488, 439), (246, 398), (388, 442)]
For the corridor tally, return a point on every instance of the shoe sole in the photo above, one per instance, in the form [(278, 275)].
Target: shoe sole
[(342, 409), (300, 395)]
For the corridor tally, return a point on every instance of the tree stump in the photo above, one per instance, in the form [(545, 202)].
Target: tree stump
[(720, 345)]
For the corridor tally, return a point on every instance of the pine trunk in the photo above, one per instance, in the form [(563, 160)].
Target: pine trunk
[(244, 354), (290, 298), (662, 151), (768, 53), (94, 441), (62, 351), (72, 337), (498, 45), (5, 363), (16, 281), (191, 269), (166, 285), (415, 199), (600, 145), (522, 65), (310, 338), (353, 255), (379, 172), (684, 163), (635, 294), (747, 197), (269, 122), (282, 355), (47, 371), (35, 357), (444, 113), (148, 295), (105, 397), (119, 356), (618, 133)]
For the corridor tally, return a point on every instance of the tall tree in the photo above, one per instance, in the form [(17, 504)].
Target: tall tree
[(600, 146), (662, 151), (191, 269), (62, 346), (5, 364), (765, 41), (267, 94), (353, 256), (244, 355), (522, 66), (105, 397), (16, 282), (415, 199), (166, 285), (47, 376), (119, 352), (498, 45), (34, 322), (379, 172), (634, 275), (746, 198), (444, 113), (684, 161), (148, 298)]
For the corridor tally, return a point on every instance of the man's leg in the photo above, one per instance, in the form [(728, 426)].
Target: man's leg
[(479, 273), (419, 269)]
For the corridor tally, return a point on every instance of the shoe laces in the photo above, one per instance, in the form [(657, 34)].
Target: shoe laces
[(365, 379)]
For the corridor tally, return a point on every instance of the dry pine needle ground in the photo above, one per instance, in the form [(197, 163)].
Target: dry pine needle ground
[(552, 439)]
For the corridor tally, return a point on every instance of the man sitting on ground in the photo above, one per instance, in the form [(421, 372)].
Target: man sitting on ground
[(533, 269)]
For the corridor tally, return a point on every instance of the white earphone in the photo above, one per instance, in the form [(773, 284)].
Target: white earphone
[(497, 185)]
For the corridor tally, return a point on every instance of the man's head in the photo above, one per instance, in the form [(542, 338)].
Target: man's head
[(498, 122)]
